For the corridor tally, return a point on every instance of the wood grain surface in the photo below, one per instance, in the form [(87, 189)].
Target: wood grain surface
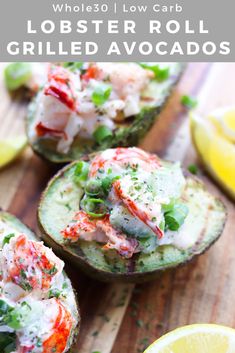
[(122, 318)]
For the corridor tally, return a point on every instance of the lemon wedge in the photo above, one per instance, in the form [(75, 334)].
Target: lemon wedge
[(200, 338), (11, 149), (213, 140), (224, 120)]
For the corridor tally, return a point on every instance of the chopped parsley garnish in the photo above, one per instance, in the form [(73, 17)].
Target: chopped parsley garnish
[(50, 271), (7, 238), (193, 169), (188, 102), (161, 73), (67, 205), (73, 66), (54, 293)]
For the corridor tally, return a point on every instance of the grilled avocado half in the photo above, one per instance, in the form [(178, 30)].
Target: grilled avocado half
[(15, 225), (205, 222), (127, 132)]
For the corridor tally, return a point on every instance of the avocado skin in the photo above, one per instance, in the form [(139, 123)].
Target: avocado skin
[(16, 223), (173, 257), (128, 134)]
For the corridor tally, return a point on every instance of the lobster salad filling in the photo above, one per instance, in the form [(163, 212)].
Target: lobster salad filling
[(36, 308), (132, 202), (91, 100)]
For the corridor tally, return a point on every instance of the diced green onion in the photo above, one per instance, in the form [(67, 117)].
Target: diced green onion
[(161, 73), (108, 181), (193, 169), (17, 75), (95, 208), (73, 66), (4, 308), (175, 215), (101, 94), (54, 293), (81, 172), (93, 188), (188, 102), (102, 133), (7, 238)]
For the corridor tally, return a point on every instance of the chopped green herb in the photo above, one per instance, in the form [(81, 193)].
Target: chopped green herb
[(139, 323), (93, 188), (17, 75), (193, 168), (54, 293), (73, 66), (102, 133), (50, 271), (101, 94), (188, 102), (81, 172), (4, 308), (161, 73), (95, 208), (65, 285), (175, 215), (39, 342), (7, 238), (67, 205), (108, 181)]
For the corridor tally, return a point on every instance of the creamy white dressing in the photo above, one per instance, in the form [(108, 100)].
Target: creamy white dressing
[(148, 192), (39, 324)]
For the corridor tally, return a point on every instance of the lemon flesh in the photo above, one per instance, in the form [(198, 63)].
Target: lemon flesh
[(11, 149), (215, 148), (224, 121), (200, 338)]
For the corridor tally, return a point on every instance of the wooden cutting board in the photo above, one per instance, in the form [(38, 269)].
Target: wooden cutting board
[(126, 318)]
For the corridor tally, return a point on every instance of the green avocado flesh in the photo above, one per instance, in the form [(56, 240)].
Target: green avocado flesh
[(60, 202), (16, 226), (128, 133)]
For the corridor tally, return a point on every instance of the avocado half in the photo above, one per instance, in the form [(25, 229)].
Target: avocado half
[(126, 134), (205, 223), (17, 225)]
